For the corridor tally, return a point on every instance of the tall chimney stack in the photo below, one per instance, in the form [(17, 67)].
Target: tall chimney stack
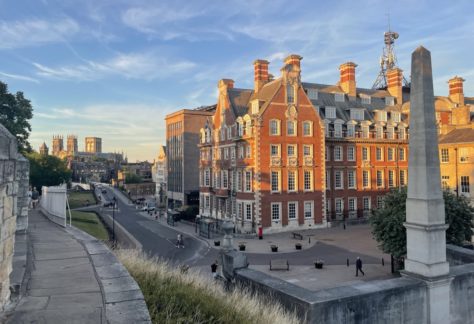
[(261, 74), (293, 59), (456, 92), (347, 80), (395, 83)]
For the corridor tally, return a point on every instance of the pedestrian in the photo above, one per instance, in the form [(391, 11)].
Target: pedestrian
[(359, 267), (214, 269), (30, 193), (34, 197), (179, 242)]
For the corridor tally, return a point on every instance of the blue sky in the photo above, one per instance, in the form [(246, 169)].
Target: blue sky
[(114, 69)]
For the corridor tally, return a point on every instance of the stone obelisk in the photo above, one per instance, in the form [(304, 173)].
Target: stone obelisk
[(425, 215)]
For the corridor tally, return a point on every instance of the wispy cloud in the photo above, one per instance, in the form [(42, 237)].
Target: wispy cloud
[(18, 77), (32, 32), (147, 66)]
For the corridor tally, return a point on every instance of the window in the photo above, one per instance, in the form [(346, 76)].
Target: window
[(337, 153), (365, 179), (326, 154), (351, 179), (380, 202), (224, 179), (330, 112), (248, 151), (229, 132), (275, 181), (338, 180), (391, 178), (463, 154), (308, 180), (379, 132), (389, 101), (337, 130), (352, 202), (241, 152), (248, 211), (350, 153), (379, 178), (365, 100), (366, 203), (313, 94), (222, 131), (382, 116), (390, 154), (357, 114), (328, 180), (291, 150), (274, 127), (445, 182), (207, 202), (226, 153), (350, 130), (401, 154), (339, 97), (307, 128), (248, 128), (465, 184), (291, 180), (328, 207), (390, 133), (292, 210), (248, 181), (307, 150), (232, 153), (291, 128), (290, 94), (402, 133), (365, 131), (207, 177), (444, 155), (379, 154), (276, 211), (239, 181), (255, 107), (275, 150), (403, 178), (308, 209), (339, 205), (365, 154)]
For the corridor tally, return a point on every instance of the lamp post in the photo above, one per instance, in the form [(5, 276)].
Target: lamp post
[(113, 220)]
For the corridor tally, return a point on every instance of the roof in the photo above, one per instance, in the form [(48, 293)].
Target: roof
[(239, 99), (462, 135)]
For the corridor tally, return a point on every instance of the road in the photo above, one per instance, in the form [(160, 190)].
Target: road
[(160, 240)]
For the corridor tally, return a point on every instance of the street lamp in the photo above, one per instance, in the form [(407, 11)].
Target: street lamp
[(114, 200)]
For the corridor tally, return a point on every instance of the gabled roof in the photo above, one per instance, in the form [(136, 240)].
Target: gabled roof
[(239, 100), (462, 135)]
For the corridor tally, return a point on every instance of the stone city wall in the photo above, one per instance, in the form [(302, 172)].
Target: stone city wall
[(14, 175)]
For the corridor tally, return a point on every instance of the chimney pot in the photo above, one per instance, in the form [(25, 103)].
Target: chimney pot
[(456, 90), (261, 75), (347, 78)]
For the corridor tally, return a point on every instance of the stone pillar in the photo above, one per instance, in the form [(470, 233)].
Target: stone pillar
[(425, 215), (228, 241), (22, 177)]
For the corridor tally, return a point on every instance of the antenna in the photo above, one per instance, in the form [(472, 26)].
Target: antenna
[(388, 60)]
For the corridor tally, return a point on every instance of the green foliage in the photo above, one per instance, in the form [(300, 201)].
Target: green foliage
[(388, 229), (47, 170), (89, 223), (133, 178), (15, 113)]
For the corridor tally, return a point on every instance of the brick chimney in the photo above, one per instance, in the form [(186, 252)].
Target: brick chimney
[(347, 80), (293, 59), (225, 84), (456, 92), (261, 74), (395, 83)]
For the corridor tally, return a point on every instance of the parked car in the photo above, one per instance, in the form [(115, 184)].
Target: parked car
[(148, 208), (108, 203)]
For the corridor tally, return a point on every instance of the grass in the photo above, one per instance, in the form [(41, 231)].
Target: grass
[(81, 199), (176, 297), (89, 223)]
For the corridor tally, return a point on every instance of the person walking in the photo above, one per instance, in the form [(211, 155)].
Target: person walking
[(359, 267), (179, 242), (214, 269)]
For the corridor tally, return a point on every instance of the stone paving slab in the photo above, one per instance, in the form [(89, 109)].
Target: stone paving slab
[(69, 316), (111, 271), (126, 312)]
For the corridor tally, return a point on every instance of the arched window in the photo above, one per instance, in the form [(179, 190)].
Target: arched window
[(307, 128), (290, 94)]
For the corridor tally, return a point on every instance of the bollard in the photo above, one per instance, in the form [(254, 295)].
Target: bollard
[(383, 262), (347, 261), (309, 240), (344, 225)]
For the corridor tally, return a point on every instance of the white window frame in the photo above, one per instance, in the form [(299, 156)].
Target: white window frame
[(465, 184), (295, 152), (272, 214), (381, 183), (403, 177), (391, 179), (310, 146), (295, 180), (357, 114), (275, 127), (444, 155), (307, 128), (389, 101), (294, 127), (351, 153), (311, 179), (312, 94), (390, 154), (330, 112), (351, 179), (277, 184), (401, 154), (308, 204), (248, 208), (337, 130), (338, 153), (248, 181), (339, 97), (350, 130), (277, 148), (328, 180), (339, 206), (366, 180), (295, 204), (352, 208), (338, 179), (379, 156), (365, 153), (366, 203)]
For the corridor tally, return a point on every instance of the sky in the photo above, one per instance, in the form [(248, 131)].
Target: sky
[(114, 69)]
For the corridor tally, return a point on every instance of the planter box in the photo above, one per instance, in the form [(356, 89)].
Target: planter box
[(274, 248), (217, 243), (241, 247), (298, 246)]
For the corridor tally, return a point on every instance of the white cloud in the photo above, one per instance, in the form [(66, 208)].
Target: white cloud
[(148, 66), (18, 77), (32, 32)]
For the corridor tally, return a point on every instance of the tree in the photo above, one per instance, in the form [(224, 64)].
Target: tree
[(389, 232), (47, 170), (133, 178), (15, 113)]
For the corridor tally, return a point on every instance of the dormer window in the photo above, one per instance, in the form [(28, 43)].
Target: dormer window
[(313, 94), (337, 130), (350, 130), (382, 116), (365, 99), (330, 112), (379, 132), (339, 97), (240, 129), (365, 131), (290, 94), (395, 116), (255, 107), (389, 101), (390, 132), (402, 133), (357, 114)]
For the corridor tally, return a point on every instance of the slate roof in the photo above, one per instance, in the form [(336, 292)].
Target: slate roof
[(239, 100), (463, 135)]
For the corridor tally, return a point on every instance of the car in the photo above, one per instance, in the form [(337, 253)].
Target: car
[(147, 208), (104, 191), (108, 203)]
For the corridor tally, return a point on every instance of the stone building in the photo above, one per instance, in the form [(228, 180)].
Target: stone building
[(58, 145), (159, 175), (290, 154), (71, 145), (93, 144), (43, 149), (182, 138)]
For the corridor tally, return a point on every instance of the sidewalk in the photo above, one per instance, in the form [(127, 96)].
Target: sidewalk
[(74, 278)]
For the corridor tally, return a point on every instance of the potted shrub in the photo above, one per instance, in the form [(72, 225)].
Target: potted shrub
[(318, 264), (217, 243), (241, 246), (298, 246), (274, 248)]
